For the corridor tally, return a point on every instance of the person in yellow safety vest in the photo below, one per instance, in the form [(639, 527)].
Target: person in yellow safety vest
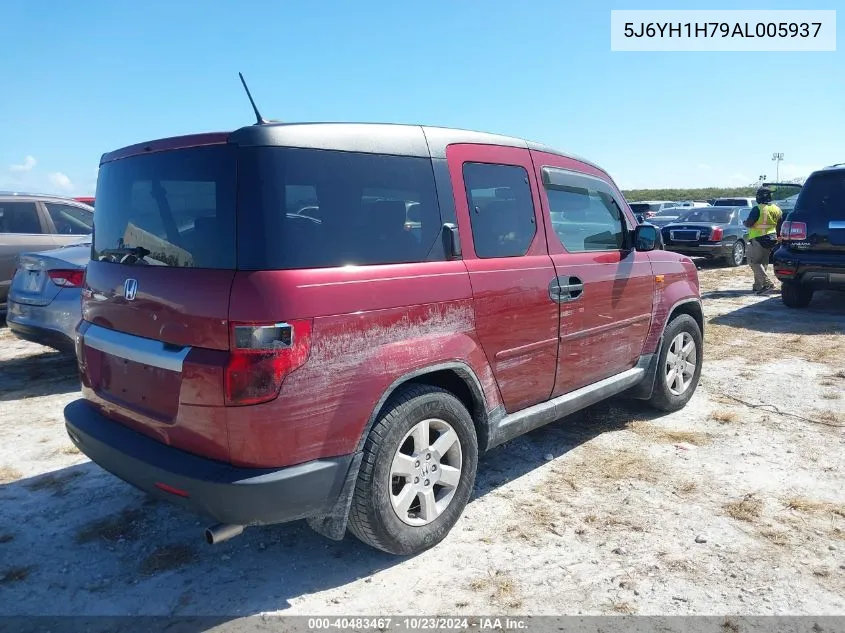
[(763, 224)]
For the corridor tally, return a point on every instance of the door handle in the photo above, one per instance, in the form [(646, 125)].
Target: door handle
[(565, 289)]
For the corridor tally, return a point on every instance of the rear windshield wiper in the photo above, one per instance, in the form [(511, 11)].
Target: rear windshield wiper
[(127, 255)]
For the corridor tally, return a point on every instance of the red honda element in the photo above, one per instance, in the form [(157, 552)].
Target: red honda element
[(331, 321)]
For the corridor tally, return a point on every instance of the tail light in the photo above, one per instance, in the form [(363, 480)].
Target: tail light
[(261, 356), (794, 231), (717, 234), (67, 278)]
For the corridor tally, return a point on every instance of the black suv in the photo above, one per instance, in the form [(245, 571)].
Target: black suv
[(812, 252)]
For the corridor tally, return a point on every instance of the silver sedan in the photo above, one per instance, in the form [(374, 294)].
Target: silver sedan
[(45, 298)]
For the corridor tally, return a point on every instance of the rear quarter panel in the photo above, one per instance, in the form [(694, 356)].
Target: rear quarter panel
[(413, 317)]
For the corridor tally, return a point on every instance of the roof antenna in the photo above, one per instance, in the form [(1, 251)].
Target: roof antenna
[(259, 119)]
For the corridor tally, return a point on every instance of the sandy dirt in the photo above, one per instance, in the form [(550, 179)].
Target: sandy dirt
[(734, 505)]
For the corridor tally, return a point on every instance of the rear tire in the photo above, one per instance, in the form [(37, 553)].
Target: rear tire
[(679, 364), (422, 448), (737, 255), (794, 295)]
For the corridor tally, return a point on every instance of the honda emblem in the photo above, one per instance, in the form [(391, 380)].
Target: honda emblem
[(130, 289)]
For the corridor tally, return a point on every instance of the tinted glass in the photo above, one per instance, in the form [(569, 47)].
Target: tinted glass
[(585, 219), (70, 220), (19, 217), (824, 192), (731, 202), (642, 207), (784, 191), (501, 209), (173, 208), (716, 216), (669, 212), (302, 208)]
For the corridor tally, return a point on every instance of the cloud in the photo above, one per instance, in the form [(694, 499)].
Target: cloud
[(60, 181), (704, 166), (27, 165)]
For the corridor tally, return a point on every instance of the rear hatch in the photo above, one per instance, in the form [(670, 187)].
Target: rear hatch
[(156, 295), (817, 223)]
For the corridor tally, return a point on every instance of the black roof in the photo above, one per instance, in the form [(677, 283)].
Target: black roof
[(378, 138)]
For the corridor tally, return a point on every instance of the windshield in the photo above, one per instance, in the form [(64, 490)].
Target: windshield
[(783, 191), (715, 216), (172, 208), (731, 202)]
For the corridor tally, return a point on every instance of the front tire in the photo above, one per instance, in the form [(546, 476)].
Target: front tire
[(679, 364), (417, 472), (794, 295)]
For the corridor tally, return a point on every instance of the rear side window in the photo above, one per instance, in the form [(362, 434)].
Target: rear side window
[(70, 220), (19, 217), (501, 209), (174, 208), (303, 208), (584, 212), (823, 192)]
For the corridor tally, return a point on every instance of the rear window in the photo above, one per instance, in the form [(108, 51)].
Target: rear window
[(172, 208), (731, 202), (717, 216), (823, 191), (303, 208)]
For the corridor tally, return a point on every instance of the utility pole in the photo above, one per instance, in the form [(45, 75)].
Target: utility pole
[(777, 157)]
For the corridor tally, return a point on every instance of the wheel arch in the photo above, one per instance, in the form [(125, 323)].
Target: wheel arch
[(456, 377)]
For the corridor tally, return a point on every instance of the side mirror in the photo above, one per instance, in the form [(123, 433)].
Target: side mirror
[(452, 241), (647, 237)]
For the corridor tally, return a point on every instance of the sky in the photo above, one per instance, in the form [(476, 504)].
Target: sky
[(83, 78)]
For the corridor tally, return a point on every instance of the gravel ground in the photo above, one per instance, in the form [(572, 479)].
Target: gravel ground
[(734, 505)]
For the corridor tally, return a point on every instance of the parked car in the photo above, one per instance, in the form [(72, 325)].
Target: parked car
[(812, 252), (261, 366), (46, 295), (734, 202), (649, 208), (667, 216), (716, 233), (692, 204), (30, 223), (86, 200)]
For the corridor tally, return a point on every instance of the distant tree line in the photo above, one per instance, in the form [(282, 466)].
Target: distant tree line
[(678, 195)]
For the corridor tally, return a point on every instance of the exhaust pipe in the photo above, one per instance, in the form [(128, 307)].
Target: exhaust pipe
[(222, 532)]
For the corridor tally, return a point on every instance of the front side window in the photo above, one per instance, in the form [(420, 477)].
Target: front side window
[(501, 209), (585, 214), (20, 218)]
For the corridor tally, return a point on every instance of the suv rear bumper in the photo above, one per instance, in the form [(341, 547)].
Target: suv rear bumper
[(820, 271), (239, 496)]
